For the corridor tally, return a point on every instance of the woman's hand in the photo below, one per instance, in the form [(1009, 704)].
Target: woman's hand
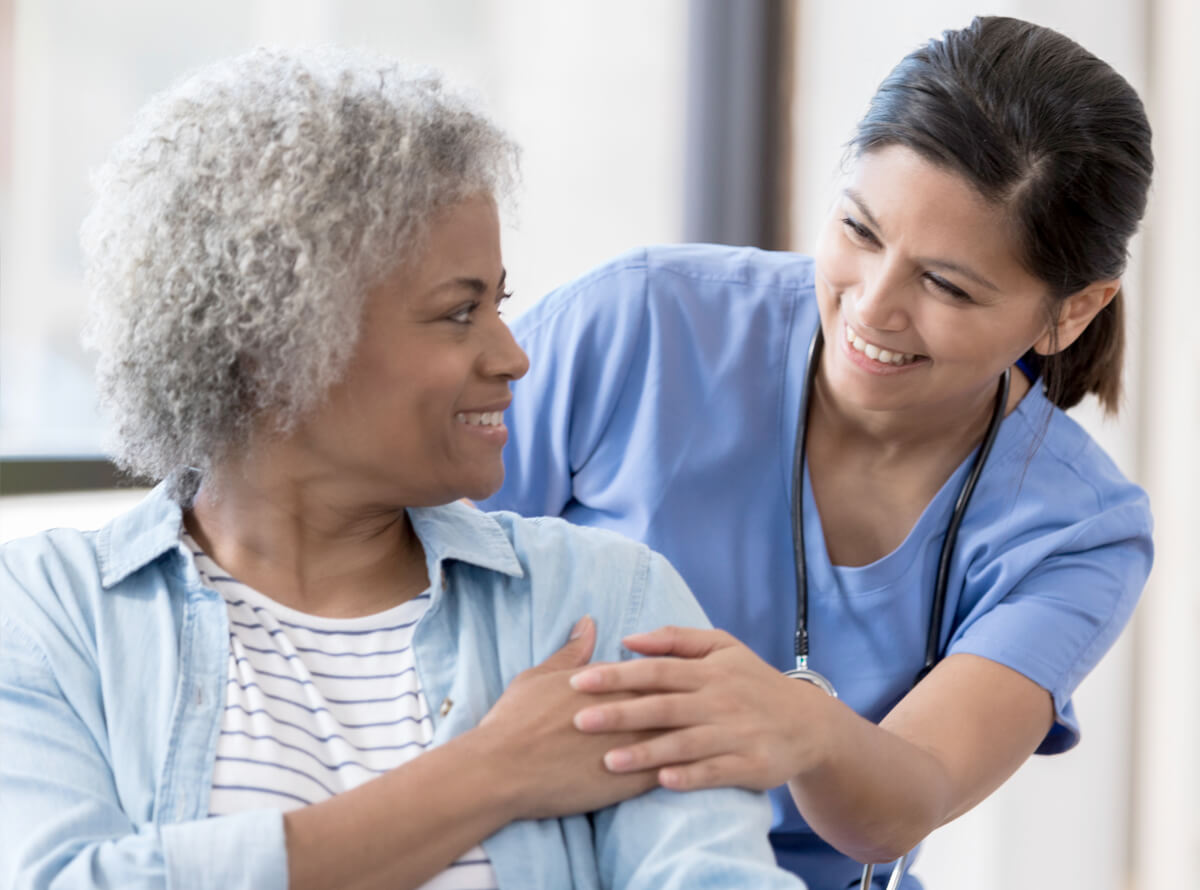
[(549, 767), (724, 716)]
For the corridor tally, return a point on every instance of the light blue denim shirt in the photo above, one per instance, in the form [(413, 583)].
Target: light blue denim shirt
[(113, 660)]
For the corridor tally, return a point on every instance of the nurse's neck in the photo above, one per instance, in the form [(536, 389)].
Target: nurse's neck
[(951, 427)]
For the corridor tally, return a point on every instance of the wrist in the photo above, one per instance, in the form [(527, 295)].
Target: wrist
[(813, 733), (496, 773)]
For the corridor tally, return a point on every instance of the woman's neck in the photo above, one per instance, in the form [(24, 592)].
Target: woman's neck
[(304, 543)]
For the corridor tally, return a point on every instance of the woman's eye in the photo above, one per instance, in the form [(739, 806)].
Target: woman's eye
[(501, 299), (857, 231), (462, 315)]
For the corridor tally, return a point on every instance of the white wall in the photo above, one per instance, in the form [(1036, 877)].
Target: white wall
[(1166, 849)]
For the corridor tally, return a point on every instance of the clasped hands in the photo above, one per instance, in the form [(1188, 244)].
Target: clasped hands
[(701, 711), (717, 713)]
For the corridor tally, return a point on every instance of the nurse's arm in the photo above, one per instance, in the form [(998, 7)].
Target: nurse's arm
[(877, 791), (873, 792)]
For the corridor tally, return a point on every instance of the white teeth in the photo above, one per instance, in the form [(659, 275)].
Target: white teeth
[(480, 418), (885, 356)]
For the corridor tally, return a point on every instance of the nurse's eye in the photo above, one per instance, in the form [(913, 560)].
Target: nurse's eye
[(950, 290), (502, 298), (859, 233)]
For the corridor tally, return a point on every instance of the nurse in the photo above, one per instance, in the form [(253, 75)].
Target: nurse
[(981, 226)]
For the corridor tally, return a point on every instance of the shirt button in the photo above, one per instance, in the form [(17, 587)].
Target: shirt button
[(447, 704)]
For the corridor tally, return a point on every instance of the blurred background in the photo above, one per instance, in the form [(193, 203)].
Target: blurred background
[(659, 121)]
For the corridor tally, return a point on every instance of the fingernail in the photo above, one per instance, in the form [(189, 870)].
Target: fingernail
[(584, 680), (577, 630), (618, 760), (589, 719)]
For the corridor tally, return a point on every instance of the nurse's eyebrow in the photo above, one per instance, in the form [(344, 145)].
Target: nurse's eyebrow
[(862, 207), (947, 265)]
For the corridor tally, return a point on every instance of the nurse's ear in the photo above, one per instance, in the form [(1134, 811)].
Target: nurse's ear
[(1075, 313)]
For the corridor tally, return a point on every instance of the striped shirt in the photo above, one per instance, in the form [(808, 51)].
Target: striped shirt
[(316, 706)]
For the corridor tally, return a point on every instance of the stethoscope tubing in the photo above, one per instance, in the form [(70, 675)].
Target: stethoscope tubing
[(937, 616), (945, 557)]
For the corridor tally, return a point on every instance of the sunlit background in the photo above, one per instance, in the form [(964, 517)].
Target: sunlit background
[(634, 132)]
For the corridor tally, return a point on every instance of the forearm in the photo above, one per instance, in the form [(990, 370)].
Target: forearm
[(868, 792), (874, 792), (401, 829)]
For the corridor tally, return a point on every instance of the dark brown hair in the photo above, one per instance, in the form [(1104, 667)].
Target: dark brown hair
[(1055, 136)]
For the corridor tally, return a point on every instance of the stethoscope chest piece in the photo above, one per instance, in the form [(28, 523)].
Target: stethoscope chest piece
[(816, 679)]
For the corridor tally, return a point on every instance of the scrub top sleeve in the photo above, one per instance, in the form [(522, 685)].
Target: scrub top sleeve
[(1057, 622), (62, 822), (582, 341)]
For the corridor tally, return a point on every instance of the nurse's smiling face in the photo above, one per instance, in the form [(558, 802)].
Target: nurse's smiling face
[(922, 295)]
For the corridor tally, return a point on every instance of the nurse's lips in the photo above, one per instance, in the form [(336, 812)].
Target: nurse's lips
[(880, 354)]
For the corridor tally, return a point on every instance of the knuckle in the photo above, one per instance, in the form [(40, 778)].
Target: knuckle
[(652, 671)]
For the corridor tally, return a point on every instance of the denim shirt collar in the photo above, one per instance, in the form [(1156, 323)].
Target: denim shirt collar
[(141, 535), (456, 531)]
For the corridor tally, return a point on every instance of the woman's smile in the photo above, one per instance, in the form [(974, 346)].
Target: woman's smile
[(483, 426)]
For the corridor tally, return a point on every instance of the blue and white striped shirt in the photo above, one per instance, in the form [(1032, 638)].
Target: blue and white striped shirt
[(315, 706)]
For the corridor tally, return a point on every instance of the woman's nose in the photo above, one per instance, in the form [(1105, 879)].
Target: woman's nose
[(504, 357)]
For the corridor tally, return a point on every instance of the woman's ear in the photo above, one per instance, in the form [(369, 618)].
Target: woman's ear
[(1075, 314)]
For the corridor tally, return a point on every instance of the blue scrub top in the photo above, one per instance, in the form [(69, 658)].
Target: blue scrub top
[(662, 403)]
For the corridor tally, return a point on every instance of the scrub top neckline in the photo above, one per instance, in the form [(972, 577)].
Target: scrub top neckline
[(889, 568)]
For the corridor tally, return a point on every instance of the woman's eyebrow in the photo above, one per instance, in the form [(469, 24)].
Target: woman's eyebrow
[(475, 285), (945, 265)]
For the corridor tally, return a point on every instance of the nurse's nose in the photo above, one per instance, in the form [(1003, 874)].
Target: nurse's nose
[(881, 304)]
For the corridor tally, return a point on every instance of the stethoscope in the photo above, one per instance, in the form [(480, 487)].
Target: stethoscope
[(938, 612)]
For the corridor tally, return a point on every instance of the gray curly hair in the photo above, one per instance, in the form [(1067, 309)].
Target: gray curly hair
[(238, 227)]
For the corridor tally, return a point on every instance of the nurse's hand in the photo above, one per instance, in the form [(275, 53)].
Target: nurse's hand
[(724, 715), (545, 766)]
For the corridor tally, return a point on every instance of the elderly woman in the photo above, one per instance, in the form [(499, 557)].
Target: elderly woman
[(300, 662)]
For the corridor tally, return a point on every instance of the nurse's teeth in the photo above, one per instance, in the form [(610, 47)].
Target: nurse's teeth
[(886, 356)]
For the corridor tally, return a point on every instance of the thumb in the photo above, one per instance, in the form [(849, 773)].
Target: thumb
[(577, 651)]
